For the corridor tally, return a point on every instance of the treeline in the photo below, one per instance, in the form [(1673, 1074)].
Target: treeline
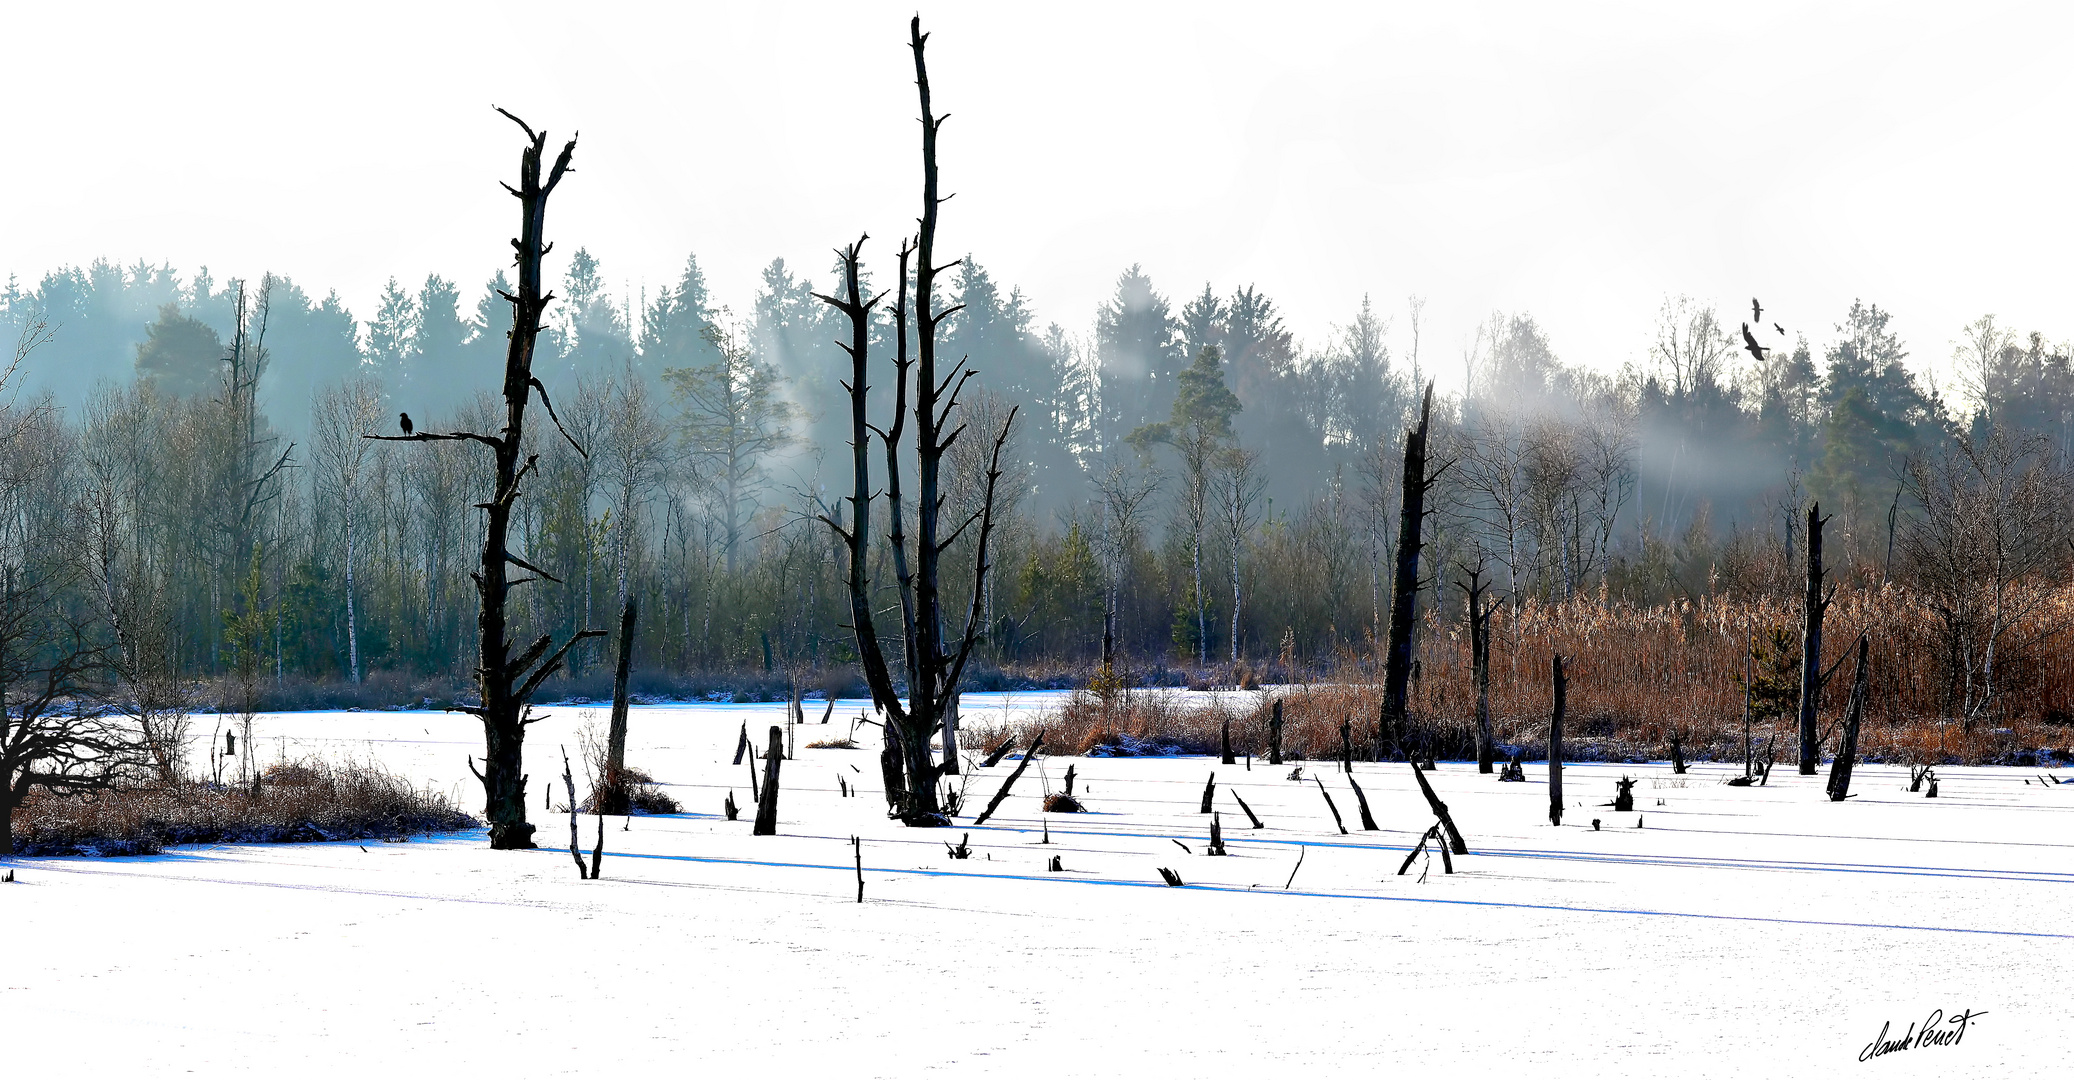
[(1191, 479)]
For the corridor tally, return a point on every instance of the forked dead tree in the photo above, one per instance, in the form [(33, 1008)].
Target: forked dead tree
[(934, 666), (507, 682)]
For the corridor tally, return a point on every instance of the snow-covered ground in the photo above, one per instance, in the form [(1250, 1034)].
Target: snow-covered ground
[(1735, 932)]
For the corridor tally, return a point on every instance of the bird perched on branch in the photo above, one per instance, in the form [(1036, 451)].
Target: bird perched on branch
[(1750, 343), (404, 419)]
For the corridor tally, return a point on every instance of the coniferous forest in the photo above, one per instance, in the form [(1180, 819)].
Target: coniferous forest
[(1186, 477)]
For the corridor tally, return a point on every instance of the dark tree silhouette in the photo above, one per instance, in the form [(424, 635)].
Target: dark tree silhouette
[(1404, 602), (934, 666), (506, 682)]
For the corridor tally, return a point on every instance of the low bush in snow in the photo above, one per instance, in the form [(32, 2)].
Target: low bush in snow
[(296, 802)]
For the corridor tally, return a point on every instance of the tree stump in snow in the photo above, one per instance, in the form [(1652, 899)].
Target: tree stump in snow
[(1250, 815), (1274, 734), (1329, 805), (1209, 792), (767, 800), (1361, 799), (1625, 799)]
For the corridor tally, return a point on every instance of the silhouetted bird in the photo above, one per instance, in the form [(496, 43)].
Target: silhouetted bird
[(1756, 311), (404, 419), (1780, 329), (1750, 343)]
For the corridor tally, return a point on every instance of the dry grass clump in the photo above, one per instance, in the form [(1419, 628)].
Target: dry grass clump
[(293, 803), (840, 742), (643, 796), (1058, 802)]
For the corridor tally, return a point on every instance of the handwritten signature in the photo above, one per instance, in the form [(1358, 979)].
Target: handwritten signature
[(1937, 1030)]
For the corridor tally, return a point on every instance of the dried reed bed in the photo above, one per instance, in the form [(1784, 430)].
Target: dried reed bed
[(294, 802), (1638, 675)]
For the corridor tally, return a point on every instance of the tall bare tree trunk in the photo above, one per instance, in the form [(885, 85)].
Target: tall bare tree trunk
[(613, 797), (507, 682), (1813, 606), (1404, 600), (933, 669)]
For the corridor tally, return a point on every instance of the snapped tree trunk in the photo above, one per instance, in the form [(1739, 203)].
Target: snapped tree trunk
[(1854, 714), (1274, 734), (612, 797), (1404, 597), (1555, 744), (1813, 605), (767, 800)]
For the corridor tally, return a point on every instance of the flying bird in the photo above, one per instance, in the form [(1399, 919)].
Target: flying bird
[(404, 419), (1750, 343), (1780, 329), (1756, 312)]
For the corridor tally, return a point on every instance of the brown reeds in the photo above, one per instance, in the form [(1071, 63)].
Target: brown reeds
[(1638, 677)]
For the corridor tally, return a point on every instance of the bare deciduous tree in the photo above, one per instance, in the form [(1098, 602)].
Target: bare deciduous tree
[(343, 414), (1993, 521)]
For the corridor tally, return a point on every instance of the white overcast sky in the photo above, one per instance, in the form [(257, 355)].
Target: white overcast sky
[(1576, 161)]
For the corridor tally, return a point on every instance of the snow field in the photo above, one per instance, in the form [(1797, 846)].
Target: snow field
[(1760, 931)]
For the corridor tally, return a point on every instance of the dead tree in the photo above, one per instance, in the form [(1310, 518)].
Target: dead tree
[(767, 799), (1361, 801), (1330, 805), (1274, 734), (569, 782), (1555, 744), (995, 803), (934, 666), (1447, 820), (1814, 604), (506, 683), (1229, 758), (996, 754), (1346, 746), (1404, 600), (1480, 665), (613, 797), (1854, 715), (1209, 793), (1250, 815)]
